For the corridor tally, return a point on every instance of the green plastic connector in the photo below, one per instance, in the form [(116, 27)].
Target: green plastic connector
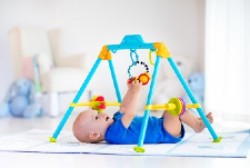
[(139, 149), (53, 140), (217, 140)]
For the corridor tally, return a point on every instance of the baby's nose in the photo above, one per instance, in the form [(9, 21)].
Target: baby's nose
[(102, 115)]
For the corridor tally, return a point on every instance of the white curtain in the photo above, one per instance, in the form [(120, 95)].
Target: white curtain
[(227, 58)]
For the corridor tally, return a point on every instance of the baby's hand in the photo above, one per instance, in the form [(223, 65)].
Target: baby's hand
[(135, 86)]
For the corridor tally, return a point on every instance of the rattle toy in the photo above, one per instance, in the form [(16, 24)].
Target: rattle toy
[(97, 103), (175, 106), (143, 77)]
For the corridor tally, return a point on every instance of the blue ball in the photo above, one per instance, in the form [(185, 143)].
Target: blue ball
[(18, 105)]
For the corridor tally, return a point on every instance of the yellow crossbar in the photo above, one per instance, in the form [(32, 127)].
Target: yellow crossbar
[(169, 106), (94, 102)]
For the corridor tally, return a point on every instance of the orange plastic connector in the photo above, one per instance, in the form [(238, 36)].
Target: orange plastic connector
[(162, 50), (105, 54)]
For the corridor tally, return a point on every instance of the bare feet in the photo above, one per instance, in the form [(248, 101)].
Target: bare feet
[(201, 125), (195, 123)]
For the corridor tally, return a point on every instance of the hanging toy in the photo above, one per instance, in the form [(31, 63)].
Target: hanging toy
[(143, 77)]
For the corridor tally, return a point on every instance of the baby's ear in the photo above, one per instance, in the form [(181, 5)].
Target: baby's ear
[(94, 135)]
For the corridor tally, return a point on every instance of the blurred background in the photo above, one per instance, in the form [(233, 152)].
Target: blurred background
[(207, 37)]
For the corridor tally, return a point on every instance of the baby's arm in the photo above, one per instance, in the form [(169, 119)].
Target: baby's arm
[(130, 103)]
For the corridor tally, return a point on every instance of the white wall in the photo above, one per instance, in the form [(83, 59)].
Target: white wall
[(89, 24)]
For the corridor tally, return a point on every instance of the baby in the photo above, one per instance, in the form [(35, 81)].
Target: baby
[(125, 126)]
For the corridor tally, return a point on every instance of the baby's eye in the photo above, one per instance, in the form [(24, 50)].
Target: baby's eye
[(96, 117)]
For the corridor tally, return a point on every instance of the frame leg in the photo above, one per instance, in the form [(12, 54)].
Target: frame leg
[(146, 113), (193, 99), (77, 97)]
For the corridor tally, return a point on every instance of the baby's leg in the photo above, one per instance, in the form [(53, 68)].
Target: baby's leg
[(195, 123), (172, 124)]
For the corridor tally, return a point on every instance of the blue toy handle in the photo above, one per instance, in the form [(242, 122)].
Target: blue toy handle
[(131, 42)]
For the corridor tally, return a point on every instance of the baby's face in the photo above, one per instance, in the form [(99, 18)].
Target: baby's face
[(99, 120)]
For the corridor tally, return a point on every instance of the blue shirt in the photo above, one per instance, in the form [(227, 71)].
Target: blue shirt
[(155, 133)]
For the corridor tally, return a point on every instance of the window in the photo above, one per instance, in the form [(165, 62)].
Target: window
[(227, 58)]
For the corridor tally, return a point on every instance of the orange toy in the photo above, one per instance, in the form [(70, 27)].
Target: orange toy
[(142, 78)]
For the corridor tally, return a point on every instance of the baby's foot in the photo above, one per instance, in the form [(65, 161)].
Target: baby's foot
[(201, 126)]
